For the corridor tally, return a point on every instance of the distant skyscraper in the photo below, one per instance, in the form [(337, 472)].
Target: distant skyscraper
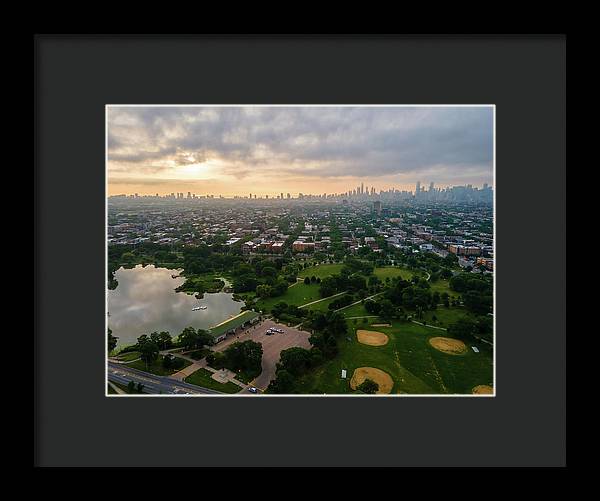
[(485, 186), (289, 196), (377, 207), (282, 196), (418, 188), (361, 189), (431, 186)]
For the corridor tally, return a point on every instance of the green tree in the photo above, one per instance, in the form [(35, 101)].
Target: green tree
[(148, 352), (387, 310), (295, 360), (165, 341), (282, 384), (244, 356), (188, 338), (368, 386), (112, 341), (463, 328)]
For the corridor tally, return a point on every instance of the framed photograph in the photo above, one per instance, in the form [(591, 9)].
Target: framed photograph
[(339, 275), (301, 240)]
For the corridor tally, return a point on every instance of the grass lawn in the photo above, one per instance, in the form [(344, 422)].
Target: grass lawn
[(156, 367), (357, 310), (321, 270), (298, 295), (322, 305), (202, 377), (247, 376), (445, 316), (443, 286), (414, 365), (392, 272), (129, 356)]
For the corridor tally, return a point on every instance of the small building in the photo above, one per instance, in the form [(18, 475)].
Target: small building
[(301, 246), (231, 325), (277, 247)]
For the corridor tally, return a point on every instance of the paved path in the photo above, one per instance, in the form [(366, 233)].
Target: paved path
[(298, 280), (360, 300), (117, 361), (324, 299), (190, 369), (225, 376), (444, 329), (427, 325)]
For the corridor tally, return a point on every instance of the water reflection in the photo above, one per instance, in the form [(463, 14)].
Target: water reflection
[(145, 301)]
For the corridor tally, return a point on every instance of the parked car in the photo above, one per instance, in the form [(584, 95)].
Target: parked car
[(252, 389)]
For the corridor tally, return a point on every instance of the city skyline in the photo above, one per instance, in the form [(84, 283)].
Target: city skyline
[(357, 191), (227, 150)]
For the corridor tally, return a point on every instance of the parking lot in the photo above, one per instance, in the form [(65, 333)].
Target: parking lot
[(272, 346)]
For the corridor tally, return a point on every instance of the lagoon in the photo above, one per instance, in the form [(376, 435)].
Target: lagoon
[(145, 301)]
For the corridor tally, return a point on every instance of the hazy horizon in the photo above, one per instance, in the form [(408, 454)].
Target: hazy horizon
[(268, 150)]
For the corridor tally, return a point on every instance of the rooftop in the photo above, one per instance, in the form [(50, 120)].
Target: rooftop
[(233, 323)]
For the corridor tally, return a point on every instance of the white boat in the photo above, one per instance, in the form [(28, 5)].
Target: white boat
[(196, 308)]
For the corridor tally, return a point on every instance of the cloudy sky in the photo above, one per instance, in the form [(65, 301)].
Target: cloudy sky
[(267, 150)]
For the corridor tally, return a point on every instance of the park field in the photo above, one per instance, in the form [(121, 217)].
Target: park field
[(392, 272), (321, 270), (297, 295), (442, 286), (414, 365), (445, 316)]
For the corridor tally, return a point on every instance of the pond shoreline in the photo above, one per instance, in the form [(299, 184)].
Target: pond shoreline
[(148, 299)]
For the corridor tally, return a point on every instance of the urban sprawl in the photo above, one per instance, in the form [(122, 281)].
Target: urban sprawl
[(366, 291)]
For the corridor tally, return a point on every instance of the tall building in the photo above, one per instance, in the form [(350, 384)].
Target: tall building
[(418, 188), (431, 186), (377, 207), (361, 189), (289, 196)]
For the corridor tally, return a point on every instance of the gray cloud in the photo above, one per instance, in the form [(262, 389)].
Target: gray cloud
[(450, 142)]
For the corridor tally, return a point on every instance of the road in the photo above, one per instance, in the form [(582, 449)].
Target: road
[(153, 384)]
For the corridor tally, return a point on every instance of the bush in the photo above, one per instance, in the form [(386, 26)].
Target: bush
[(368, 386), (199, 354)]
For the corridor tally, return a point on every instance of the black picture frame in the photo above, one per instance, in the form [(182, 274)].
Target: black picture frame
[(524, 76)]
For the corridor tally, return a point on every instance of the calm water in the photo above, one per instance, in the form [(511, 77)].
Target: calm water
[(145, 301)]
